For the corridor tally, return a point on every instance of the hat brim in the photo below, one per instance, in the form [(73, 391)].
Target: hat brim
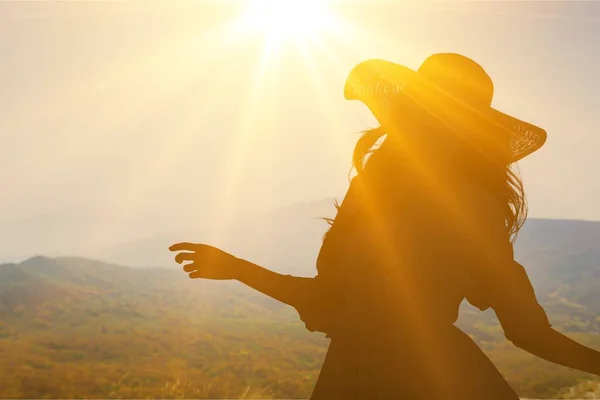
[(383, 87)]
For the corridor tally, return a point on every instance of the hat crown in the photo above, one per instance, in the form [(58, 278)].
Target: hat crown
[(460, 77), (450, 86)]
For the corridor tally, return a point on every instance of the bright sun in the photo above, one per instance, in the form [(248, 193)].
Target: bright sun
[(288, 19)]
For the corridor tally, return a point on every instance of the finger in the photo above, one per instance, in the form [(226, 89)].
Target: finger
[(190, 267), (184, 246), (181, 257), (196, 275)]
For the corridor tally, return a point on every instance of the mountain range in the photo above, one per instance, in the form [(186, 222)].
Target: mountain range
[(137, 311)]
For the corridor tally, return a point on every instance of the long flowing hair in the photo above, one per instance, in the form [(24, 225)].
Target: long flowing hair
[(502, 180)]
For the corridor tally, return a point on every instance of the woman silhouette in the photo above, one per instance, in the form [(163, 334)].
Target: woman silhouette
[(428, 221)]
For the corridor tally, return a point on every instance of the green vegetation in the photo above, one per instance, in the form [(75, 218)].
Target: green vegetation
[(73, 328)]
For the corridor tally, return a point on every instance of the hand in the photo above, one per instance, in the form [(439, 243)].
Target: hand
[(207, 262)]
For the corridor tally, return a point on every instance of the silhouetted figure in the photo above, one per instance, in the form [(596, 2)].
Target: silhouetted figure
[(428, 221)]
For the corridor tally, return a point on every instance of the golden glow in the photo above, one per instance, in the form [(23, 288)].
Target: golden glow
[(288, 19)]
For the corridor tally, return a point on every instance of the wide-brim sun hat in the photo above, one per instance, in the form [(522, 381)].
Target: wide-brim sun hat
[(452, 88)]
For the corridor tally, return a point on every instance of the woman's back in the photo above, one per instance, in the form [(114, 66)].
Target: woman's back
[(406, 240), (404, 252)]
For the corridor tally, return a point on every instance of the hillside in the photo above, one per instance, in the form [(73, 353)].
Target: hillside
[(75, 327), (562, 257)]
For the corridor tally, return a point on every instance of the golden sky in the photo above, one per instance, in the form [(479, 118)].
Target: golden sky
[(118, 118)]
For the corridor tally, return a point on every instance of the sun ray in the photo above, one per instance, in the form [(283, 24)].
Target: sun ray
[(238, 154), (330, 109), (182, 75), (165, 89), (275, 25)]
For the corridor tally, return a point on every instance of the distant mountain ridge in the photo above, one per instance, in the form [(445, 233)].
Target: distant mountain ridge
[(288, 240), (562, 258), (69, 314)]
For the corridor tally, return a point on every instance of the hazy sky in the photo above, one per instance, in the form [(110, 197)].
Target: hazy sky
[(120, 119)]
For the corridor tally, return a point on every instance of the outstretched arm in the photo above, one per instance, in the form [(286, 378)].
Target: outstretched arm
[(555, 347), (285, 288), (315, 302), (504, 285), (526, 325), (316, 299)]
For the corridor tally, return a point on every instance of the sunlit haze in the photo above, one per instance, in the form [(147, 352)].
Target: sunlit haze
[(289, 19), (121, 120)]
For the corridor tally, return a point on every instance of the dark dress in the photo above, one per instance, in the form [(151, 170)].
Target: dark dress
[(403, 253)]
